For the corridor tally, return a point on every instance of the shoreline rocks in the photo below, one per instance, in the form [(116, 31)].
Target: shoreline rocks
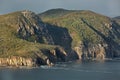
[(17, 61)]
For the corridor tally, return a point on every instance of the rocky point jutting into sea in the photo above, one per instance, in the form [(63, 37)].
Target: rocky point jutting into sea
[(57, 35)]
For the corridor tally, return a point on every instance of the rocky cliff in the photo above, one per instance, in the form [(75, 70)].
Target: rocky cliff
[(32, 28), (48, 57), (17, 61), (90, 35), (58, 35), (25, 41)]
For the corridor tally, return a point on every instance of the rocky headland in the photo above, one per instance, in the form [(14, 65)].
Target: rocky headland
[(57, 35)]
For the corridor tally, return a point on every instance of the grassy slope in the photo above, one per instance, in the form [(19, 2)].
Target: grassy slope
[(10, 44), (54, 13), (81, 26), (85, 26)]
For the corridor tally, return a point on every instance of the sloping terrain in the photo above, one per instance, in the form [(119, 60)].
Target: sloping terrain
[(57, 35), (23, 34), (93, 35)]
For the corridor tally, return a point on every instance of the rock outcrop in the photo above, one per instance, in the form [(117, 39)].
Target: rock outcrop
[(96, 52), (57, 35), (49, 57), (17, 61), (31, 28), (93, 36)]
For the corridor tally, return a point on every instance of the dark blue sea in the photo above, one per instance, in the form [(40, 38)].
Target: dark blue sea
[(87, 70)]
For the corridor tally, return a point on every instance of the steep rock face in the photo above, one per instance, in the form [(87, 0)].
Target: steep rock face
[(17, 61), (33, 29), (93, 36), (55, 55), (49, 57), (96, 52), (25, 37), (63, 36)]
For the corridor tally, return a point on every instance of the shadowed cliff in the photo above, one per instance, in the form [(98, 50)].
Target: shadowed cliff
[(57, 35)]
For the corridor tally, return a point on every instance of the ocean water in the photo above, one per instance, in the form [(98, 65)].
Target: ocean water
[(107, 70)]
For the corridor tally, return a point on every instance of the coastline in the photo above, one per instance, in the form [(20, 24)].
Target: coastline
[(35, 66)]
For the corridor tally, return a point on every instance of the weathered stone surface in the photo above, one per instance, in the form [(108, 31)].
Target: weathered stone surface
[(96, 52), (17, 61), (74, 36)]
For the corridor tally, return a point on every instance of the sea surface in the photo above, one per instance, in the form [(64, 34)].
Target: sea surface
[(88, 70)]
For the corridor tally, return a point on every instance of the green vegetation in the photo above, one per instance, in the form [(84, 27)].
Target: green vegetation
[(11, 44), (54, 13), (26, 34), (80, 25)]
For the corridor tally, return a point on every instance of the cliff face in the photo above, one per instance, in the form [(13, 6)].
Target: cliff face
[(33, 29), (90, 35), (26, 41), (49, 58), (57, 35), (96, 52), (17, 61)]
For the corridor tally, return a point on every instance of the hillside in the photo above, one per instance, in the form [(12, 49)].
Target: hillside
[(93, 35), (23, 34), (54, 13), (57, 35)]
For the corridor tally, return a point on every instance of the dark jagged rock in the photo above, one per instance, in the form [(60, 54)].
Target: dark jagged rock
[(91, 35), (32, 28), (57, 35)]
